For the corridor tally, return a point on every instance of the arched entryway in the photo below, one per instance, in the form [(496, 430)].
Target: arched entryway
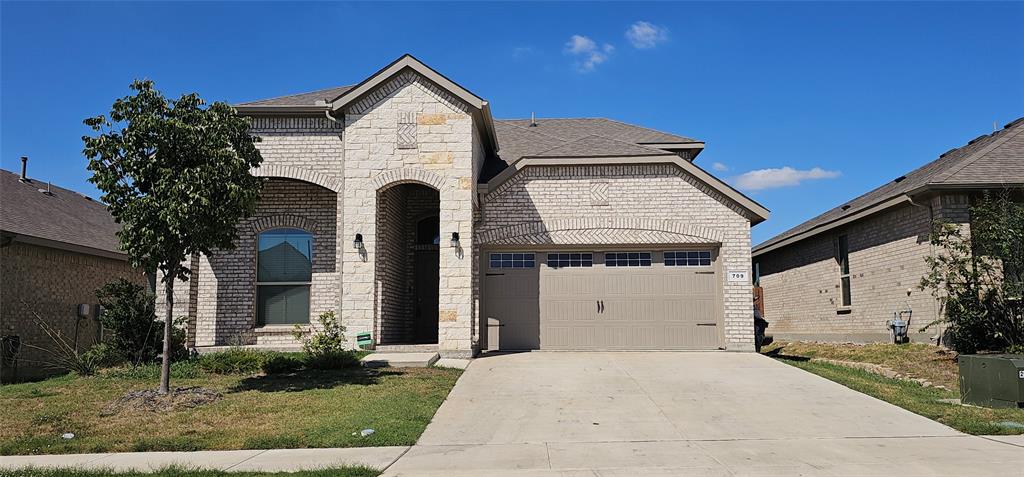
[(407, 266)]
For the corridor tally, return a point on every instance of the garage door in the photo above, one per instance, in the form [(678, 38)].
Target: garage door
[(566, 300)]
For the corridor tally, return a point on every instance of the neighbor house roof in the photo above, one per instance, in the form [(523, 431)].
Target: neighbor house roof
[(61, 218), (988, 161)]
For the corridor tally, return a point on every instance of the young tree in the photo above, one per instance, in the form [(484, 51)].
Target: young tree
[(977, 274), (176, 176)]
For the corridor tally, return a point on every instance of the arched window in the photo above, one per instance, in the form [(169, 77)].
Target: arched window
[(284, 272), (428, 231)]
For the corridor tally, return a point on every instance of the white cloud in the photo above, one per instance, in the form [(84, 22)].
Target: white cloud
[(646, 35), (718, 166), (780, 177), (588, 52)]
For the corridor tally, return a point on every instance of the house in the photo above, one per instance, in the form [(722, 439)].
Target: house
[(56, 248), (842, 274), (402, 205)]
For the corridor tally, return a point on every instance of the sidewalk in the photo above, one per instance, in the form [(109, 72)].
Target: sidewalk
[(272, 460)]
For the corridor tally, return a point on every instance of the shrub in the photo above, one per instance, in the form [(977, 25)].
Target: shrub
[(330, 338), (332, 360), (103, 355), (233, 361), (129, 315), (280, 363), (978, 277)]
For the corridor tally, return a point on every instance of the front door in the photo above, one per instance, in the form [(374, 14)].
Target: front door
[(426, 270)]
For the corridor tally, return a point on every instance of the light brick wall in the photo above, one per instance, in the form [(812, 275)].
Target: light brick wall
[(51, 283), (441, 158), (887, 257), (639, 204), (226, 311)]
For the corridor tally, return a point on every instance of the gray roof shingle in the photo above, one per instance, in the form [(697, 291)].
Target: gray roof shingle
[(599, 146), (992, 159), (301, 99), (61, 216), (573, 137)]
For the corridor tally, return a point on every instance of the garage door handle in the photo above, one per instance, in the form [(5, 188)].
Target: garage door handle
[(705, 273), (707, 324), (495, 274)]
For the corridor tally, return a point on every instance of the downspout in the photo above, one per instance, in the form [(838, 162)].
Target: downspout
[(341, 216)]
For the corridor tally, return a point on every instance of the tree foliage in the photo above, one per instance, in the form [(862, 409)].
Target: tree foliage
[(176, 176), (977, 274)]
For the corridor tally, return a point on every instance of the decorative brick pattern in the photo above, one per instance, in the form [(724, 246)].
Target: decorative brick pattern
[(51, 283), (887, 258), (297, 173), (647, 203), (599, 193), (406, 130)]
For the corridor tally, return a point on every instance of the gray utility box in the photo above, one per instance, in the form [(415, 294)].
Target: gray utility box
[(992, 380)]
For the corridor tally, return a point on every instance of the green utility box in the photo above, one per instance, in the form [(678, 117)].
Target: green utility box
[(992, 380), (364, 340)]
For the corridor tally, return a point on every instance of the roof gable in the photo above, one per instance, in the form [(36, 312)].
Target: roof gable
[(407, 61)]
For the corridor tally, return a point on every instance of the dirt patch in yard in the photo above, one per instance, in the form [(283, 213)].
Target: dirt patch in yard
[(929, 365), (149, 400)]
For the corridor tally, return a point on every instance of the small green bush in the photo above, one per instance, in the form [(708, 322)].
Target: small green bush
[(282, 363), (329, 339), (332, 360), (233, 361), (104, 355), (129, 315)]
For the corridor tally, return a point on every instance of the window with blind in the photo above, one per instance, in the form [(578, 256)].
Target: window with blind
[(843, 259), (284, 272)]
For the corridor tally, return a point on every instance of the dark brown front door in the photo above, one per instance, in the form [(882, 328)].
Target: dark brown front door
[(426, 270)]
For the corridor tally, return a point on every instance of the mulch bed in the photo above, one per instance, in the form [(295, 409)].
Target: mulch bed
[(149, 400)]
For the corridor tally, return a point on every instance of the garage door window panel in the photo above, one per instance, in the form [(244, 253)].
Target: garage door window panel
[(688, 258), (627, 259), (512, 260), (570, 260)]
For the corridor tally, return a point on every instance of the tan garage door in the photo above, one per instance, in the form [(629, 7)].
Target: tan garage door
[(667, 299)]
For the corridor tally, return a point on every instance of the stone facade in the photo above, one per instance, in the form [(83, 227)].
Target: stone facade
[(647, 204), (443, 159), (50, 283), (887, 253)]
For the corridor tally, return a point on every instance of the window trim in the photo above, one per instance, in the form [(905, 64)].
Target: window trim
[(843, 260), (257, 283)]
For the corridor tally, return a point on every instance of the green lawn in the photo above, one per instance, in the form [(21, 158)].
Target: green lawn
[(180, 472), (915, 360), (304, 409)]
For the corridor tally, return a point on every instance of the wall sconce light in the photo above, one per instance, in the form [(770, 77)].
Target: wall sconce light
[(358, 242), (455, 239)]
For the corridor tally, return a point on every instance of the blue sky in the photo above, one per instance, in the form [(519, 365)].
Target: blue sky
[(864, 92)]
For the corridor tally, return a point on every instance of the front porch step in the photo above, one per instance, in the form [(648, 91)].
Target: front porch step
[(406, 348), (400, 360)]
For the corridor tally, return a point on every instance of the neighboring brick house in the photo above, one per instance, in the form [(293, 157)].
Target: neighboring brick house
[(56, 248), (842, 275), (415, 216)]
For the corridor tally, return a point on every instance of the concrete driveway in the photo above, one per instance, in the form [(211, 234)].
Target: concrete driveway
[(611, 414)]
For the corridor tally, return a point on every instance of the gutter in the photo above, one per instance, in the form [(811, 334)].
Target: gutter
[(11, 237)]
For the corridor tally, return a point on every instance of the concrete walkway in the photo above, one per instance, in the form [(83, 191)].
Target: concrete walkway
[(630, 414), (275, 460)]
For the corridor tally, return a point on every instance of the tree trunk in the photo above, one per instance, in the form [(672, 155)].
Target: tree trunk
[(165, 368)]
